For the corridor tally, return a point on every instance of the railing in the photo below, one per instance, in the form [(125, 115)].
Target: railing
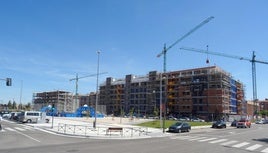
[(88, 131)]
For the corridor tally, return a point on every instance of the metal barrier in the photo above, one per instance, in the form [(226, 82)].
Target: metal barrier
[(84, 130)]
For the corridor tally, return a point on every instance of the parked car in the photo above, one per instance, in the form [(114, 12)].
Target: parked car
[(243, 123), (197, 120), (234, 123), (184, 119), (14, 116), (259, 122), (262, 121), (172, 118), (219, 124), (7, 116), (180, 127)]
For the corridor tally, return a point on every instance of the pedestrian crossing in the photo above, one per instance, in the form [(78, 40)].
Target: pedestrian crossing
[(14, 129), (249, 146)]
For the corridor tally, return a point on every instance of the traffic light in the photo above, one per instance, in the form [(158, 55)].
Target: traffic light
[(8, 81)]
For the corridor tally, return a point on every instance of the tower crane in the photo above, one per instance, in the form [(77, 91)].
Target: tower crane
[(76, 82), (252, 60), (164, 51)]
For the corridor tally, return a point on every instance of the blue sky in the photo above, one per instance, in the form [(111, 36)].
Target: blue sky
[(44, 43)]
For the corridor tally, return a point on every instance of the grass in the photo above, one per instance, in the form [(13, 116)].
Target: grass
[(156, 123)]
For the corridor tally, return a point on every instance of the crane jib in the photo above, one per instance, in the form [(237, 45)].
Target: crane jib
[(184, 36), (253, 61)]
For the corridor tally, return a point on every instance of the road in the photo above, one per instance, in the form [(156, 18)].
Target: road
[(231, 140), (17, 136)]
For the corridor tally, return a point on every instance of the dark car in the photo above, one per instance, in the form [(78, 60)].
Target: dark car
[(219, 124), (234, 123), (180, 127)]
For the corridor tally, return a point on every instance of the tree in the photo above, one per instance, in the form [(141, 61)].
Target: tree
[(14, 105), (28, 106), (156, 111), (131, 112), (263, 113), (9, 105), (122, 112), (20, 107)]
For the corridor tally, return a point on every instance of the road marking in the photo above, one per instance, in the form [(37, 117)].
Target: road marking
[(197, 138), (240, 145), (228, 143), (218, 141), (182, 137), (20, 129), (265, 150), (191, 137), (254, 147), (27, 136), (28, 128), (209, 139), (9, 129)]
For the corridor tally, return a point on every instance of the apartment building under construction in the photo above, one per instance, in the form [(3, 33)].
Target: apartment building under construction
[(64, 101), (209, 92)]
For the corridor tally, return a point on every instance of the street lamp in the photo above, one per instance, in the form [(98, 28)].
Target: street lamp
[(21, 86), (165, 103), (97, 89), (160, 103)]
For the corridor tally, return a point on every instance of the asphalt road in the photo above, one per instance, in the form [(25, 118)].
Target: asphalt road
[(231, 140), (16, 135)]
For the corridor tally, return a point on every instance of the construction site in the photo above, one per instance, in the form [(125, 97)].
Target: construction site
[(207, 92), (62, 100), (65, 104)]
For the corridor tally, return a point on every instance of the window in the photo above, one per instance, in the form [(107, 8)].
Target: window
[(32, 114)]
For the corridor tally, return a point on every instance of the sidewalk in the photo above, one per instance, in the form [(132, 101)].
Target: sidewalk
[(121, 128)]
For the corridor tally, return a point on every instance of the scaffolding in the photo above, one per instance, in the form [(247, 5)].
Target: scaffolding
[(209, 92), (62, 100)]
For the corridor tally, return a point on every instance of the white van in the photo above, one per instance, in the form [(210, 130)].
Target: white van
[(30, 116)]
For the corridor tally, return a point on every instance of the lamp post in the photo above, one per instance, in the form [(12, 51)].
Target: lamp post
[(165, 104), (160, 104), (21, 86), (97, 89)]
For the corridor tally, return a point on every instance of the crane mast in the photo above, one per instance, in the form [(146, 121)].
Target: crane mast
[(78, 78), (252, 60), (164, 52)]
